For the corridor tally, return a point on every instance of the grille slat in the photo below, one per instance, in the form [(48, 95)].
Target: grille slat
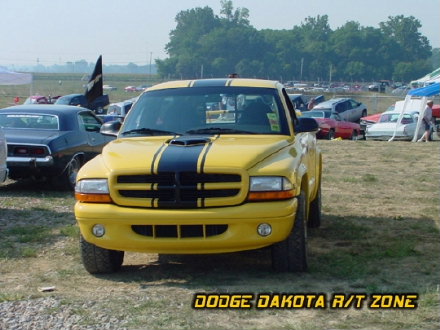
[(179, 231), (178, 189)]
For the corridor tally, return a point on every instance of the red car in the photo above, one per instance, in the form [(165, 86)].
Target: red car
[(331, 126)]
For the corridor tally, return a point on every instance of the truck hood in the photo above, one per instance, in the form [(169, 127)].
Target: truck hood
[(190, 153)]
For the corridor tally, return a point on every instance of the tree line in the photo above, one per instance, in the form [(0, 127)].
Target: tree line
[(204, 44)]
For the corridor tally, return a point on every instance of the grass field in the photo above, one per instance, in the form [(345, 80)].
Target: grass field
[(54, 84), (380, 234)]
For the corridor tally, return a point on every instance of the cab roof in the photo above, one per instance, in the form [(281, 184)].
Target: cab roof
[(233, 82)]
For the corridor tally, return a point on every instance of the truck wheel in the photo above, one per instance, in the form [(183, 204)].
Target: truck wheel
[(68, 178), (98, 260), (315, 211), (290, 255)]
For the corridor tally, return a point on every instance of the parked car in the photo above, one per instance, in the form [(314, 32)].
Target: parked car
[(109, 87), (299, 101), (3, 153), (385, 127), (302, 102), (402, 90), (80, 100), (380, 86), (176, 182), (40, 99), (118, 110), (130, 89), (372, 119), (142, 87), (50, 142), (347, 109), (436, 118), (331, 126)]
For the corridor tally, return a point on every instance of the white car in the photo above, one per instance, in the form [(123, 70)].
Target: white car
[(385, 127), (3, 155), (347, 109), (109, 88)]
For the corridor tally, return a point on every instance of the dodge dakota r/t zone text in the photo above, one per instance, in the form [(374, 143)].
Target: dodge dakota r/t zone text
[(203, 166)]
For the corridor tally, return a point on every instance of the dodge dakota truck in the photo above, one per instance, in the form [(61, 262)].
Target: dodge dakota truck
[(203, 166)]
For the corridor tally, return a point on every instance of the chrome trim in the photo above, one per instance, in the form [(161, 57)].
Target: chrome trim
[(44, 161)]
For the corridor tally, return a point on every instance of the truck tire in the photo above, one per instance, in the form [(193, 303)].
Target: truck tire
[(290, 255), (98, 260), (314, 220)]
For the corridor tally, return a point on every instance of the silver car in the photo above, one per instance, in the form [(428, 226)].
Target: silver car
[(347, 109), (387, 126), (3, 155)]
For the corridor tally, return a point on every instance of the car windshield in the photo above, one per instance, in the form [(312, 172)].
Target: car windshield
[(29, 121), (316, 114), (207, 110), (393, 117)]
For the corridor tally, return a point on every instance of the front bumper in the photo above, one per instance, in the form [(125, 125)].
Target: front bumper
[(241, 221)]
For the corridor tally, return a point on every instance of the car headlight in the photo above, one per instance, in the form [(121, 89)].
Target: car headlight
[(92, 191), (270, 188)]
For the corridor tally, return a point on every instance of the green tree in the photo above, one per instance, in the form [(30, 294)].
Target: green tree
[(238, 16), (316, 34), (407, 71), (413, 46)]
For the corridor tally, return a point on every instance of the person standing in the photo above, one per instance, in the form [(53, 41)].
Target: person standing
[(427, 118)]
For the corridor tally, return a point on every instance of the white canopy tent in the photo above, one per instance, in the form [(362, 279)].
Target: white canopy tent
[(14, 78), (416, 100), (430, 78)]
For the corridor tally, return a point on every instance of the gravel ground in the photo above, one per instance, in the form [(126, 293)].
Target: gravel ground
[(52, 313)]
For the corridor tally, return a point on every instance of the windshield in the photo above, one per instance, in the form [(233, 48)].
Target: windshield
[(29, 121), (316, 114), (207, 110), (393, 117)]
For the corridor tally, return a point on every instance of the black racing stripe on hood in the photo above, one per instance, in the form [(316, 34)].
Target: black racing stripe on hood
[(210, 82), (177, 158), (174, 160)]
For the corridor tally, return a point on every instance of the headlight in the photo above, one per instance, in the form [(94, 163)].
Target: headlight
[(270, 188), (269, 183), (92, 191)]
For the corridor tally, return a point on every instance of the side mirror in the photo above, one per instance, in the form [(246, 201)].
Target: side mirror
[(111, 128), (306, 125)]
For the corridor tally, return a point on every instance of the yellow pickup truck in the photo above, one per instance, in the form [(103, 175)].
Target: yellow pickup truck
[(203, 166)]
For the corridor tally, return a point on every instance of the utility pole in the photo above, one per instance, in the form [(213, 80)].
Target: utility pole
[(330, 74), (302, 64), (151, 56)]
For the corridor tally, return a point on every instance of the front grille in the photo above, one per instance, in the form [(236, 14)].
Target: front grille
[(185, 178), (176, 189), (179, 231)]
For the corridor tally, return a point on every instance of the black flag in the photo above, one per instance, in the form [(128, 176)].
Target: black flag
[(94, 87)]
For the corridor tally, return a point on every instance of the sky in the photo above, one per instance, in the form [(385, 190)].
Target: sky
[(58, 31)]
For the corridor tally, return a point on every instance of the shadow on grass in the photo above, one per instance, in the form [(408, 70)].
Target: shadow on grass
[(32, 215), (371, 254), (32, 188)]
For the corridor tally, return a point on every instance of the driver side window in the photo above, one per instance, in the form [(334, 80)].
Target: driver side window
[(89, 123)]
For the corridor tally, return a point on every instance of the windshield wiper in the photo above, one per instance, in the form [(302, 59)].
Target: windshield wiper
[(149, 131), (218, 130)]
